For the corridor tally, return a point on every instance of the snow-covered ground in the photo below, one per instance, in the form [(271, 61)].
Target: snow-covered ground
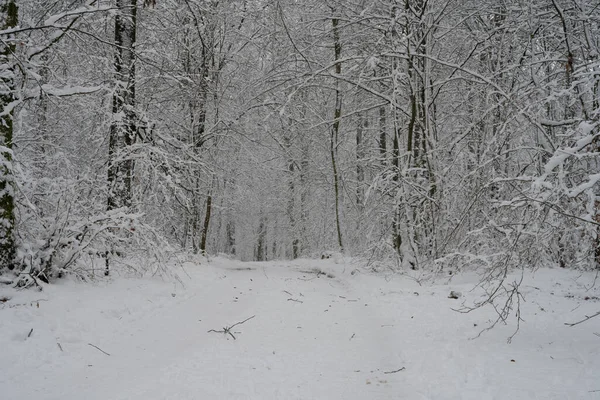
[(312, 336)]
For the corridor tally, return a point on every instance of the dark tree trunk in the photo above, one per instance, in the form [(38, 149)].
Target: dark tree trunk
[(261, 245), (382, 135), (397, 236), (206, 224), (335, 129), (362, 124), (230, 232), (8, 19), (124, 126), (304, 188)]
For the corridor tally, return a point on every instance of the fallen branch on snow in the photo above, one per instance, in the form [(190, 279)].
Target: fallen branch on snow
[(393, 372), (227, 330), (96, 347), (583, 320)]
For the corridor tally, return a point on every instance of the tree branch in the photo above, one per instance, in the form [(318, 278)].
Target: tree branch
[(583, 320)]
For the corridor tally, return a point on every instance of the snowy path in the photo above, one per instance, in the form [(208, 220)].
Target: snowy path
[(311, 338)]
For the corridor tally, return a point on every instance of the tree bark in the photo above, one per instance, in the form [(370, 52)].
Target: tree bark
[(124, 126), (382, 135), (362, 123), (304, 189), (291, 201), (8, 19), (206, 224), (335, 129), (261, 244)]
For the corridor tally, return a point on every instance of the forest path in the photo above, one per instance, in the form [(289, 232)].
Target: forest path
[(312, 337)]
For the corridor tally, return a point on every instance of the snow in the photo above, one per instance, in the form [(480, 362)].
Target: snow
[(91, 8), (561, 155), (70, 90), (349, 335)]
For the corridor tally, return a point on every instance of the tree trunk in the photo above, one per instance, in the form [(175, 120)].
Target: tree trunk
[(335, 129), (382, 135), (206, 224), (304, 188), (397, 231), (230, 233), (291, 212), (362, 123), (124, 126), (8, 19), (261, 245), (200, 105)]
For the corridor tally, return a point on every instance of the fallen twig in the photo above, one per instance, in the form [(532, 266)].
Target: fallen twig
[(285, 291), (227, 330), (393, 372), (239, 323), (30, 332), (96, 347), (59, 346), (297, 301), (352, 337), (583, 320)]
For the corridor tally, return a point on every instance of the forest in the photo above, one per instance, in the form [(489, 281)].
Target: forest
[(299, 199), (417, 134)]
